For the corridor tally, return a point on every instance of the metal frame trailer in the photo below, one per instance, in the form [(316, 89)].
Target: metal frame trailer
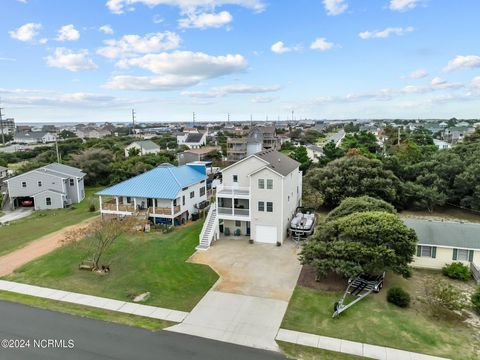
[(360, 287)]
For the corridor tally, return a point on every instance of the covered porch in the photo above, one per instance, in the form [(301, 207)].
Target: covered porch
[(123, 205), (233, 208)]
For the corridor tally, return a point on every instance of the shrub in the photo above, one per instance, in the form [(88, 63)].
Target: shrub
[(476, 300), (398, 296), (456, 271), (444, 297), (91, 207)]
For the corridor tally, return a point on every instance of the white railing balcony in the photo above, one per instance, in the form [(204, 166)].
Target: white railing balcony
[(234, 212), (232, 191)]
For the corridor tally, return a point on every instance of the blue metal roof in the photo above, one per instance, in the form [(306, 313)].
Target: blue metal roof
[(163, 182)]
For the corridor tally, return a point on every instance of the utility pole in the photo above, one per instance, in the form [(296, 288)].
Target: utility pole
[(251, 120), (56, 148), (398, 136), (228, 117), (193, 120), (1, 124), (133, 121), (292, 114)]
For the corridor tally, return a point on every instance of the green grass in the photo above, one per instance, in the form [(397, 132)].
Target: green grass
[(86, 311), (294, 351), (448, 212), (145, 262), (374, 321), (20, 232)]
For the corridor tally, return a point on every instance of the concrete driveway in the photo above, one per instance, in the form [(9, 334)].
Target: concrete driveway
[(247, 304), (15, 215), (262, 270)]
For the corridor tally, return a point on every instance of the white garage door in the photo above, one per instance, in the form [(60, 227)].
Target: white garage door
[(266, 234)]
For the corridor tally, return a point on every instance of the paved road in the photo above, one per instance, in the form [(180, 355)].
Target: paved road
[(15, 215), (94, 339)]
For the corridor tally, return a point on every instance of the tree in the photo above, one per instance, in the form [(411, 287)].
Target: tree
[(67, 134), (95, 163), (352, 205), (365, 242), (331, 152), (423, 197), (353, 176), (300, 154), (422, 137), (365, 142), (133, 152)]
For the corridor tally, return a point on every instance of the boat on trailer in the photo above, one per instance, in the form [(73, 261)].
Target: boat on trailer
[(302, 224)]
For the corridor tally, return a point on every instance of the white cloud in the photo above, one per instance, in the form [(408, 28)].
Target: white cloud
[(106, 29), (68, 33), (385, 33), (26, 32), (43, 41), (439, 83), (280, 48), (221, 91), (463, 62), (70, 60), (476, 82), (118, 6), (418, 74), (262, 99), (205, 20), (129, 45), (403, 5), (157, 19), (412, 89), (335, 7), (321, 44), (176, 70)]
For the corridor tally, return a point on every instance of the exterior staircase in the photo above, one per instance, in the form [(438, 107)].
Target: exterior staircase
[(209, 230)]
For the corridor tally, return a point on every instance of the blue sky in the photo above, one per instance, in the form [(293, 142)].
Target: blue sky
[(94, 60)]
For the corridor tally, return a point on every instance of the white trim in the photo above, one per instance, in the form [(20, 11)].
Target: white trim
[(449, 247), (248, 157)]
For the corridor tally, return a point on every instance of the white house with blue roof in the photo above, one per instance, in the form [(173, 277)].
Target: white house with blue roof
[(166, 195)]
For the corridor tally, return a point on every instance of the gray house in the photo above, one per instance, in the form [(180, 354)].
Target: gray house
[(53, 186)]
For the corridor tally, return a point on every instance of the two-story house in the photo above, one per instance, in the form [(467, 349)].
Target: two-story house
[(53, 186), (257, 198), (192, 140), (166, 194)]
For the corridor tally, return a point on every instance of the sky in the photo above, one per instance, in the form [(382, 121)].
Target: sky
[(77, 60)]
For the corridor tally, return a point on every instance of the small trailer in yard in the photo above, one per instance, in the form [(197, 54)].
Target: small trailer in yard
[(360, 287)]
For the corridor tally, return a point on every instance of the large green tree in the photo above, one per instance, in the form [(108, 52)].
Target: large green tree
[(364, 242), (353, 176), (352, 205)]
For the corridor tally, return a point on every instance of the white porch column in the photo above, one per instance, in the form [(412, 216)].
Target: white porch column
[(116, 201), (154, 203), (134, 204), (173, 211), (100, 202)]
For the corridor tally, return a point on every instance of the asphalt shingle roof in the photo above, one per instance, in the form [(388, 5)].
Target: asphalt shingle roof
[(194, 138), (147, 145), (163, 182), (279, 162), (65, 169), (445, 233)]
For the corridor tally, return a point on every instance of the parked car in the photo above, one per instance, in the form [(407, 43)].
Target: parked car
[(26, 203)]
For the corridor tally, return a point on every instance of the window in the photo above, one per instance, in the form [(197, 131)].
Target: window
[(238, 223), (261, 183), (72, 182), (269, 206), (129, 200), (185, 188), (461, 255), (183, 200), (39, 184), (202, 191), (175, 202), (426, 251), (269, 184), (24, 184), (261, 206), (48, 201), (235, 178), (192, 194)]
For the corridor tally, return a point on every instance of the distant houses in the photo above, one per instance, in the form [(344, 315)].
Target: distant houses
[(53, 186), (193, 140), (259, 138), (35, 137), (202, 154), (3, 172), (142, 147)]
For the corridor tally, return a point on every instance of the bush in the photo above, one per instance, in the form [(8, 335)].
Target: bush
[(443, 296), (398, 296), (92, 208), (476, 300), (456, 271)]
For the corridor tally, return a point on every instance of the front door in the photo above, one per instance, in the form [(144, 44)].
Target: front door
[(149, 202), (248, 228)]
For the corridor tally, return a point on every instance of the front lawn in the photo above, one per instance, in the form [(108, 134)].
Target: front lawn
[(144, 262), (294, 351), (374, 321), (20, 232)]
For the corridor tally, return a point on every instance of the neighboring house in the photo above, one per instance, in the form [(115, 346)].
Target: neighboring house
[(143, 147), (35, 137), (24, 128), (443, 242), (165, 195), (8, 126), (53, 186), (201, 154), (314, 152), (456, 134), (192, 140), (440, 144), (257, 199), (259, 138), (3, 172)]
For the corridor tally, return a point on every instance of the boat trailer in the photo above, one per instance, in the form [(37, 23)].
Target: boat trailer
[(360, 287)]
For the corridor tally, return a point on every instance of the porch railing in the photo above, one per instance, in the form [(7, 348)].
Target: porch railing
[(233, 211), (475, 269), (164, 210)]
